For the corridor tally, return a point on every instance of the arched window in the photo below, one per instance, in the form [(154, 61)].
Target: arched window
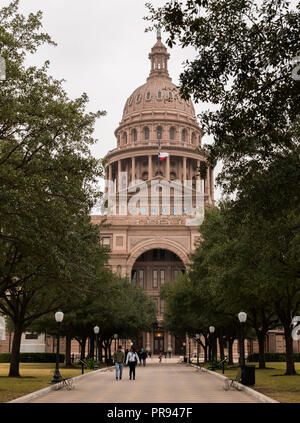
[(172, 133), (183, 135), (148, 95), (124, 138), (159, 132), (159, 96), (134, 135), (193, 138), (146, 133)]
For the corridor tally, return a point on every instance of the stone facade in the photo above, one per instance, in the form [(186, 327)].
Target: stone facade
[(151, 248)]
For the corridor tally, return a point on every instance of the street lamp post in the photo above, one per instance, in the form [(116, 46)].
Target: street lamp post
[(189, 350), (211, 331), (242, 318), (96, 331), (183, 344), (59, 315), (115, 337), (198, 342)]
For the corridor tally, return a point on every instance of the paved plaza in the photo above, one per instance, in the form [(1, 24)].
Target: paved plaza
[(155, 383)]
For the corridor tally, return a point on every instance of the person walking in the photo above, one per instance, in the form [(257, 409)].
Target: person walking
[(143, 357), (119, 357), (160, 357), (132, 360)]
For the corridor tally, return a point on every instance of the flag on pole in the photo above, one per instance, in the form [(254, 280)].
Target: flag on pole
[(162, 156)]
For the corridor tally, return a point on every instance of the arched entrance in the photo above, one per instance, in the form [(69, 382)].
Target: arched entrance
[(150, 271)]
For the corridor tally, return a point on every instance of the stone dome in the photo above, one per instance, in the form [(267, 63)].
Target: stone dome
[(158, 93)]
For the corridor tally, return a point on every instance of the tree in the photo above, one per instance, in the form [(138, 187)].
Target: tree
[(47, 182), (110, 302), (246, 65), (245, 60)]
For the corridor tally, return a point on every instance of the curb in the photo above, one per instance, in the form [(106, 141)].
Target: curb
[(240, 387), (43, 391)]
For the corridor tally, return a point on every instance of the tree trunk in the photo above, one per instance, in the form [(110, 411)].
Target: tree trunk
[(68, 351), (105, 351), (109, 349), (261, 345), (83, 344), (230, 352), (205, 353), (290, 365), (15, 352), (92, 347), (214, 348), (221, 347), (100, 349)]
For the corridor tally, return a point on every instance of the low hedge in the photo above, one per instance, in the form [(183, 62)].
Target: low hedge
[(33, 357), (276, 357)]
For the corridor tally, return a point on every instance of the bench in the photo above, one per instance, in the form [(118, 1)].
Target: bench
[(233, 383), (65, 383)]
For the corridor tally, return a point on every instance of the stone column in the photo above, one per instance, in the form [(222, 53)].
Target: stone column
[(132, 169), (119, 176), (169, 343), (208, 183), (148, 347), (187, 346), (184, 169), (149, 167), (168, 168), (212, 187)]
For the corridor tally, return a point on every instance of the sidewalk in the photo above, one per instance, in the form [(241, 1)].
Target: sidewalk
[(173, 383)]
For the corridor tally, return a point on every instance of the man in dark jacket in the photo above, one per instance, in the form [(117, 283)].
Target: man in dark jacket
[(143, 357), (119, 358)]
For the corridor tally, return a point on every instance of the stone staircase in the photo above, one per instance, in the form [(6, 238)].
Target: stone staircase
[(173, 360)]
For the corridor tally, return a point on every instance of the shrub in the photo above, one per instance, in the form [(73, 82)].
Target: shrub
[(33, 358), (276, 357), (89, 363), (217, 364)]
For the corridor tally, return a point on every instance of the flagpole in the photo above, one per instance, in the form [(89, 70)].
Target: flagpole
[(158, 164)]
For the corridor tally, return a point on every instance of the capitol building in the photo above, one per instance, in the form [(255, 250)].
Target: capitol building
[(156, 160), (158, 183)]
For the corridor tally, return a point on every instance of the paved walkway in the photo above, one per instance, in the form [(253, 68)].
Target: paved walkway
[(156, 383)]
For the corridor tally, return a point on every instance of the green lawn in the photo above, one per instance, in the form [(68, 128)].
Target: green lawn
[(34, 376), (272, 382)]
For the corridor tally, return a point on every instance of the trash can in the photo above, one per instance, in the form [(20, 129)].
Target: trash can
[(248, 375)]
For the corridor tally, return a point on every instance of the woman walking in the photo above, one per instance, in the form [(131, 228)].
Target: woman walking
[(132, 359)]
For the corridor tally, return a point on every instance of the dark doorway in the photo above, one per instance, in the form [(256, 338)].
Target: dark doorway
[(180, 349), (158, 342)]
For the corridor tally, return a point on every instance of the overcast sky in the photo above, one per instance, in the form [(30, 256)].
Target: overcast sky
[(102, 49)]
